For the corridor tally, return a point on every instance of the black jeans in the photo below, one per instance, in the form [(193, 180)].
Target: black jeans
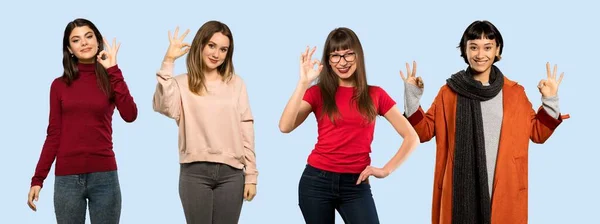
[(320, 193)]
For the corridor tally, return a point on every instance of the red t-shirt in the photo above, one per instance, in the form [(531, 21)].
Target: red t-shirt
[(345, 146)]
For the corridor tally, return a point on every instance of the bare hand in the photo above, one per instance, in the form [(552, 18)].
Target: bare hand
[(34, 194), (108, 56), (177, 47), (549, 87), (249, 191), (411, 76), (308, 72), (372, 171)]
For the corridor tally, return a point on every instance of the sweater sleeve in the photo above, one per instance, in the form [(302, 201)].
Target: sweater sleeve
[(550, 104), (412, 96), (543, 122), (247, 126), (52, 141), (167, 98), (123, 99)]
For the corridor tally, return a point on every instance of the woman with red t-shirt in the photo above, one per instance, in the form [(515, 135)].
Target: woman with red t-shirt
[(345, 106)]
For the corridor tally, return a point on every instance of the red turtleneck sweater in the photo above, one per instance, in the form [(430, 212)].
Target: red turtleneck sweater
[(79, 134)]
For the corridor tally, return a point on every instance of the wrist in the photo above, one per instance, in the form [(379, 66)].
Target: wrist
[(387, 170), (303, 83), (167, 59)]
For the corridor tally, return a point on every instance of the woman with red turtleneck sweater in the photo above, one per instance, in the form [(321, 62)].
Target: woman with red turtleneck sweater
[(79, 134)]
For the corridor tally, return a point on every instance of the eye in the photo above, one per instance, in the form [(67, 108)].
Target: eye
[(488, 48), (211, 46), (473, 48), (223, 50), (75, 41)]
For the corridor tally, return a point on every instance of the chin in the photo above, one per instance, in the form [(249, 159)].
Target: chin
[(481, 68), (85, 58), (344, 76)]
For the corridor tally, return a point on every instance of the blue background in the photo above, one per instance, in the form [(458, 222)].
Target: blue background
[(269, 37)]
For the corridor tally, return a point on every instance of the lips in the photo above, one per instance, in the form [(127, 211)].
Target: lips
[(343, 70), (213, 61), (481, 62), (86, 50)]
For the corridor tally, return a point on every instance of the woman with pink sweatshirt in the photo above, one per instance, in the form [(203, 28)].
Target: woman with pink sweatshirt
[(216, 133)]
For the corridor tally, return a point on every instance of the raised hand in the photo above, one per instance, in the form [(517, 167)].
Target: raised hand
[(108, 56), (308, 73), (411, 76), (34, 194), (177, 47), (549, 87), (372, 171)]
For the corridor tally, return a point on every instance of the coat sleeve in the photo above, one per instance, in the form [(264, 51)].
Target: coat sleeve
[(424, 122), (542, 124)]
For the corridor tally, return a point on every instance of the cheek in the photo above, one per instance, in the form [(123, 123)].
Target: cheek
[(353, 68), (332, 67), (73, 48)]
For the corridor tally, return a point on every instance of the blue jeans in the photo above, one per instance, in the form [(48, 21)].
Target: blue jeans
[(101, 190), (321, 192)]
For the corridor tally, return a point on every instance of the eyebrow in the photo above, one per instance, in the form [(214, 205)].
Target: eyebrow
[(347, 52), (491, 43), (83, 35), (210, 42)]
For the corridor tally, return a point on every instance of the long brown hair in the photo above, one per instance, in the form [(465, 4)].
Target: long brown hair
[(195, 65), (342, 39), (71, 72)]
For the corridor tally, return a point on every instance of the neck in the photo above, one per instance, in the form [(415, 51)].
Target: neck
[(483, 77), (211, 75), (346, 83), (86, 61)]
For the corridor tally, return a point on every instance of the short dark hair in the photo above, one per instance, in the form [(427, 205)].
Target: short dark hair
[(477, 30)]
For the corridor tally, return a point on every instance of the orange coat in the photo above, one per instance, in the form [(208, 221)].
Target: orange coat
[(519, 124)]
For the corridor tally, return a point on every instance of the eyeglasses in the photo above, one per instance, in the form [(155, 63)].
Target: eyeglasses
[(335, 58)]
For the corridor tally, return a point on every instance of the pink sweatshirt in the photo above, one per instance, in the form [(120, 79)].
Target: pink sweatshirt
[(216, 127)]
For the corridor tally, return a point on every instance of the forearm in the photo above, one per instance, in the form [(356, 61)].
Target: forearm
[(290, 113), (550, 104), (166, 98), (412, 96), (408, 145), (123, 99)]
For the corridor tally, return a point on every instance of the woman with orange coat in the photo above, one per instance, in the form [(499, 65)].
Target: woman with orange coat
[(482, 122)]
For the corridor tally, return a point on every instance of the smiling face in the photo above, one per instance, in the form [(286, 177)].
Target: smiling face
[(83, 44), (481, 54), (215, 51), (343, 63)]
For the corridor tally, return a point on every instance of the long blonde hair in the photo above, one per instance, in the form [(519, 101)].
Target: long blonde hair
[(195, 65)]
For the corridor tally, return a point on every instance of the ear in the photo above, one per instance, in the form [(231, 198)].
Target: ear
[(498, 56)]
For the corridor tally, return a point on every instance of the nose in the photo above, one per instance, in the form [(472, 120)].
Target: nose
[(215, 54), (480, 53), (343, 61)]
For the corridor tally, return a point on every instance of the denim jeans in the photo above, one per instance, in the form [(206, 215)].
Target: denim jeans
[(211, 193), (320, 193), (101, 190)]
